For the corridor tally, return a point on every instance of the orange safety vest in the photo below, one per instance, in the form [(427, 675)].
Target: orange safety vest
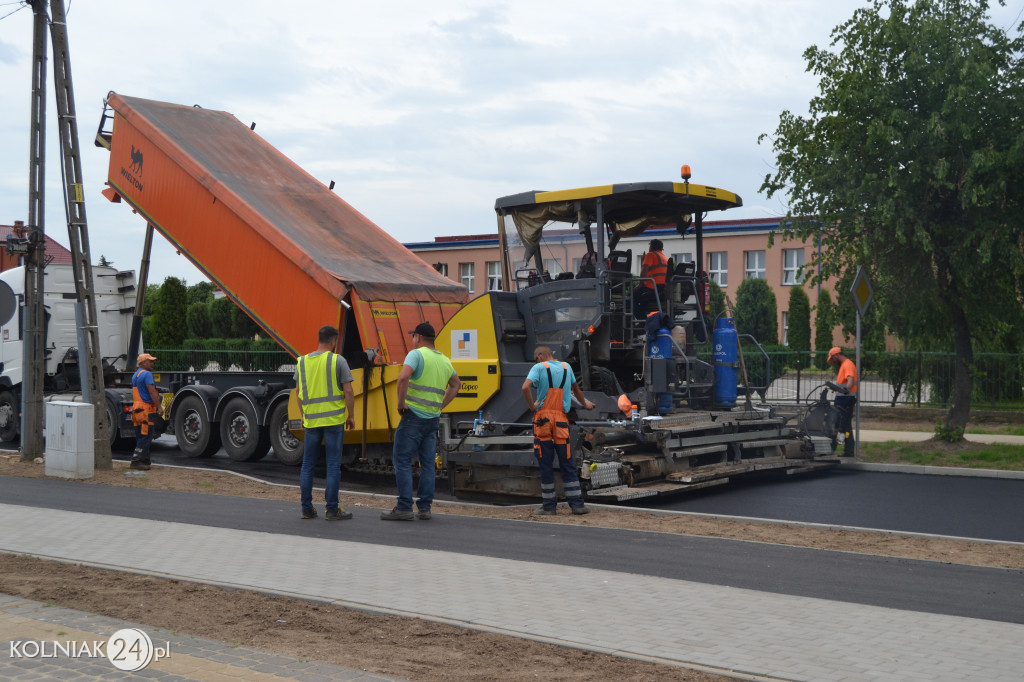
[(847, 369), (550, 422), (656, 270), (140, 408)]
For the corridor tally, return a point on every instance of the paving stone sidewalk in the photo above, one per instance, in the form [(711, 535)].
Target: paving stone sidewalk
[(24, 623)]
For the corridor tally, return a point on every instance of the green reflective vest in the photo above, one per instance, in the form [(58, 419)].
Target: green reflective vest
[(323, 400), (427, 393)]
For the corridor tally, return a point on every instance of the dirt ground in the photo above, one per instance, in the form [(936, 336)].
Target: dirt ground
[(401, 647)]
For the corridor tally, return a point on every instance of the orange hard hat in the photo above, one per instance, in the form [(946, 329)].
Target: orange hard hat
[(835, 350), (626, 405)]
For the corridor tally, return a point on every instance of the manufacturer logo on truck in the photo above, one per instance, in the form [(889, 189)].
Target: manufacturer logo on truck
[(134, 169)]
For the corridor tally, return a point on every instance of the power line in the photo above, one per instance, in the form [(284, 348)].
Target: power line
[(23, 6)]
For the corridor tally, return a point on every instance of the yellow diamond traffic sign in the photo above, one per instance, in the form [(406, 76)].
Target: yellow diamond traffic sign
[(862, 291)]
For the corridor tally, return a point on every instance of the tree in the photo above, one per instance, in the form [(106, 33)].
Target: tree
[(220, 317), (910, 161), (170, 316), (104, 263), (716, 300), (756, 311), (199, 326), (242, 326), (823, 326), (799, 335), (152, 299), (201, 292)]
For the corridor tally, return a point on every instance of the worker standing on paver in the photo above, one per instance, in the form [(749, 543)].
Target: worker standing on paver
[(653, 267), (324, 392), (847, 378), (146, 408), (426, 384), (551, 428)]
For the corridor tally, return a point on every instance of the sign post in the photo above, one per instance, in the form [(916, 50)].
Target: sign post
[(862, 292)]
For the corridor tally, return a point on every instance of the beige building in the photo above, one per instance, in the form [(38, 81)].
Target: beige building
[(733, 250)]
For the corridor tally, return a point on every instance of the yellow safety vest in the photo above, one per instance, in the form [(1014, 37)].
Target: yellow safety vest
[(323, 400), (427, 392)]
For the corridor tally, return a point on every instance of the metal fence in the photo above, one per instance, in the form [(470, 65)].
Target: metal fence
[(227, 359), (914, 378)]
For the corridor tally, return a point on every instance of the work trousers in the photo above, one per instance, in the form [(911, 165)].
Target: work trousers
[(547, 449), (415, 440)]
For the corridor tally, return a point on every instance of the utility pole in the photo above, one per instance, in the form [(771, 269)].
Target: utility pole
[(78, 233), (33, 361)]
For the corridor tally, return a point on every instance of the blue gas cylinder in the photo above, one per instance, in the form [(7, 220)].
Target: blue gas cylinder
[(726, 348), (661, 347)]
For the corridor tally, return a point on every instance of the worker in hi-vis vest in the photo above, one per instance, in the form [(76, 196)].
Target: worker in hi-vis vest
[(323, 386), (653, 273), (426, 384), (145, 406), (554, 382), (846, 402)]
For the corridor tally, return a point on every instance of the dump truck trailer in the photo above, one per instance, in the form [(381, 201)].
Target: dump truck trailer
[(288, 251)]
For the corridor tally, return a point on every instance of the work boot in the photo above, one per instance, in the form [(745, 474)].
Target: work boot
[(309, 513), (849, 446), (397, 515), (338, 514), (139, 464), (580, 510), (541, 511), (423, 515)]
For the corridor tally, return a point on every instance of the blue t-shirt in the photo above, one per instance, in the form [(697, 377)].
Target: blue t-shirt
[(415, 360), (141, 380), (539, 376)]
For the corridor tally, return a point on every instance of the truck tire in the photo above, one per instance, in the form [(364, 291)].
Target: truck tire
[(287, 448), (243, 438), (116, 442), (196, 436), (10, 413)]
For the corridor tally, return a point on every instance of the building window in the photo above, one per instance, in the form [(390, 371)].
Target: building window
[(467, 275), (442, 268), (785, 328), (718, 267), (493, 275), (754, 265), (792, 266), (682, 258), (553, 267)]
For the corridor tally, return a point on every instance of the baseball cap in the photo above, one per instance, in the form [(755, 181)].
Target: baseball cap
[(835, 350), (424, 329), (145, 356)]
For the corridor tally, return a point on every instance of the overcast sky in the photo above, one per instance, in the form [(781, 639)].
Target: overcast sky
[(424, 112)]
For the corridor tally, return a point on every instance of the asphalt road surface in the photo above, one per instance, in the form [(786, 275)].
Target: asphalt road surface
[(983, 508), (925, 586), (980, 508)]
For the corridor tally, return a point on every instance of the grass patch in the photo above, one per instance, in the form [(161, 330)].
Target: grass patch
[(1000, 430), (937, 453)]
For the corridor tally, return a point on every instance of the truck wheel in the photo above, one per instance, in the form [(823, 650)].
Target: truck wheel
[(10, 416), (113, 430), (287, 448), (243, 438), (195, 434)]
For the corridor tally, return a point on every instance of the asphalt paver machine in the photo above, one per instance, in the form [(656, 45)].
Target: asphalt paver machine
[(628, 348)]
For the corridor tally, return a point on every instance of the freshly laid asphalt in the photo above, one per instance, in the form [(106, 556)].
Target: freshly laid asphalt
[(741, 608)]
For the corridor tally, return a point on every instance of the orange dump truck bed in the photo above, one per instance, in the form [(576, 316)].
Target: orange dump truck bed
[(281, 244)]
